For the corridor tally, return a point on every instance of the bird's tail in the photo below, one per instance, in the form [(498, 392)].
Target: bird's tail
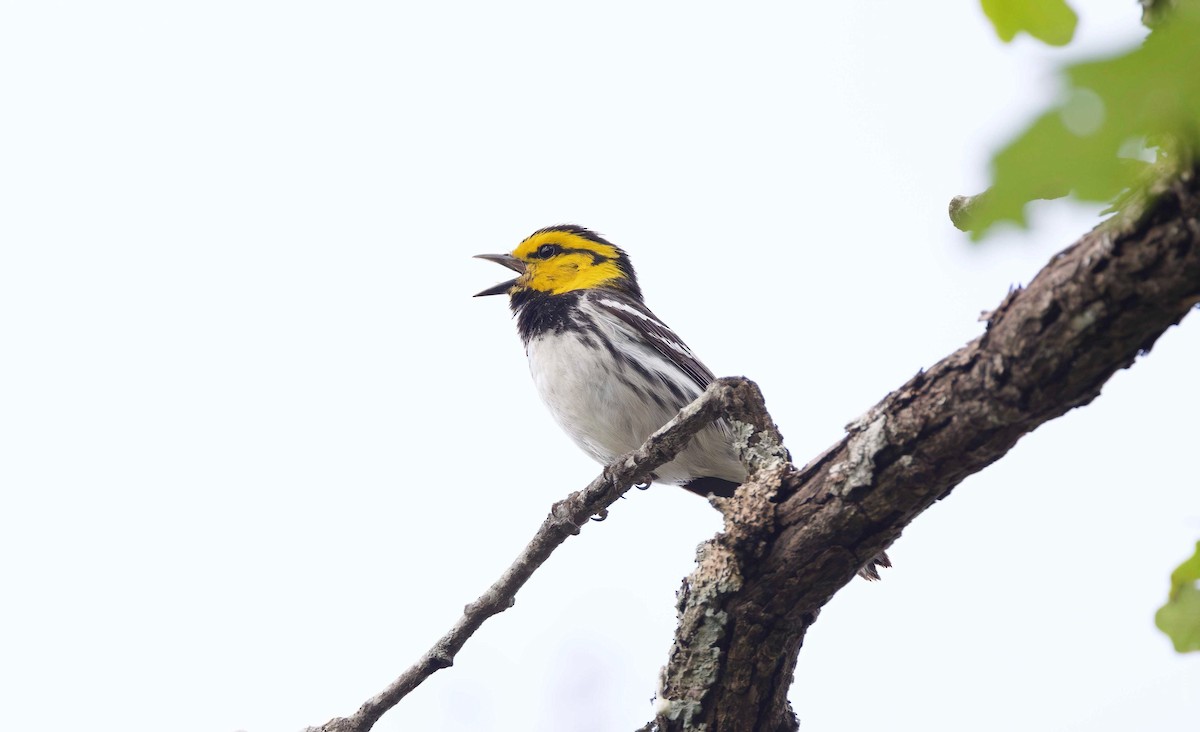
[(870, 570)]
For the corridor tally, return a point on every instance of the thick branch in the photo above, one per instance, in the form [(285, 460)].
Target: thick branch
[(802, 534)]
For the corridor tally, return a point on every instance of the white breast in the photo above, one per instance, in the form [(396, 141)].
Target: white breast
[(604, 404)]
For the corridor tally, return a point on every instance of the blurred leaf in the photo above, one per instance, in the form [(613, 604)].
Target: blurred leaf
[(1116, 116), (1049, 21), (1180, 617)]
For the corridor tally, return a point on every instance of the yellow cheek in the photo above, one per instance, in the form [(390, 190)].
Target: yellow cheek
[(560, 277)]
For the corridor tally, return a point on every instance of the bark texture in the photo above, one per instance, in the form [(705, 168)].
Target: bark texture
[(794, 537)]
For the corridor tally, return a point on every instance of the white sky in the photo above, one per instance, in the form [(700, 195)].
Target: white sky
[(258, 445)]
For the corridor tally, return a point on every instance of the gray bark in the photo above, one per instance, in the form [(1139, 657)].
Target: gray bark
[(796, 537)]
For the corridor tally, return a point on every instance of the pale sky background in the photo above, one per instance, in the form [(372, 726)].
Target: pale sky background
[(258, 444)]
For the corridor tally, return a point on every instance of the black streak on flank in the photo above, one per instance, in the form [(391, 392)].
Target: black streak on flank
[(644, 393), (637, 366), (654, 334), (658, 400), (637, 390), (617, 356), (673, 387), (589, 325)]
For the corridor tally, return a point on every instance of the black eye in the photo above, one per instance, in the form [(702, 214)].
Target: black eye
[(546, 251)]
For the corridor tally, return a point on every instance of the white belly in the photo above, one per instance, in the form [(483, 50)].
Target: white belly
[(604, 405)]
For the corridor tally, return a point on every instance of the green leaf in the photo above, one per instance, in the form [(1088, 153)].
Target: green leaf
[(1115, 116), (1049, 21), (1180, 617)]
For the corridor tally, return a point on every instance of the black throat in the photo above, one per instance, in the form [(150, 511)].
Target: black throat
[(540, 312)]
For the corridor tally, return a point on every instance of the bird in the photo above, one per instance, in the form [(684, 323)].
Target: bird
[(609, 370)]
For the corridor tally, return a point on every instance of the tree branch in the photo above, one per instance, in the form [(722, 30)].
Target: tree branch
[(737, 399), (795, 537)]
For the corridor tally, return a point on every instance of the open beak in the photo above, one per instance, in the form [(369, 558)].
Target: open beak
[(507, 260)]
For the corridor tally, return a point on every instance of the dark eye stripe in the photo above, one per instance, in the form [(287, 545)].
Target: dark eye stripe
[(547, 251), (597, 257)]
